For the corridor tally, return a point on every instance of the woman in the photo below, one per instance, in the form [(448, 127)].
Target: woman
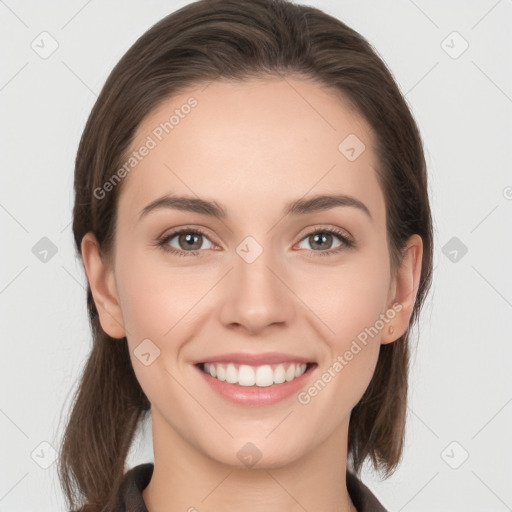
[(252, 213)]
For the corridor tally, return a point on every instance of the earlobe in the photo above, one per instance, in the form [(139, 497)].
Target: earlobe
[(404, 290), (102, 282)]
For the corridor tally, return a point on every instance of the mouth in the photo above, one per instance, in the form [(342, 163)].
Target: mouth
[(245, 375)]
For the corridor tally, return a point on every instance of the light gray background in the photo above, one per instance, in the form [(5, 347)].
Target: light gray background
[(460, 377)]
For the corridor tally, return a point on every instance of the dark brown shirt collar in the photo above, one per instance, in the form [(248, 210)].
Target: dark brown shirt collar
[(137, 478)]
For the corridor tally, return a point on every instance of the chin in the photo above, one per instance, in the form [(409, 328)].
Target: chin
[(256, 453)]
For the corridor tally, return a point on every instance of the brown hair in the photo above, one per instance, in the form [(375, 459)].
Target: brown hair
[(236, 39)]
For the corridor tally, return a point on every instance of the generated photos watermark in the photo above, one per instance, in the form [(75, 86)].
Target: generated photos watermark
[(151, 142), (305, 397)]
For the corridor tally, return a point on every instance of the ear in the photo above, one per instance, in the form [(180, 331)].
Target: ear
[(403, 290), (103, 287)]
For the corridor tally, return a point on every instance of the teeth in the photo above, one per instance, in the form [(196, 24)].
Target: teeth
[(260, 376)]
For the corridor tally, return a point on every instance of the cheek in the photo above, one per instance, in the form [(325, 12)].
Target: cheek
[(157, 303), (351, 304), (349, 299), (157, 299)]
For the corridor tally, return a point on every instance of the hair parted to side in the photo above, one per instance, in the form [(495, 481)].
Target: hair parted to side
[(236, 39)]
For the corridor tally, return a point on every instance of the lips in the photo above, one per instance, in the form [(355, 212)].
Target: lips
[(255, 359), (265, 392)]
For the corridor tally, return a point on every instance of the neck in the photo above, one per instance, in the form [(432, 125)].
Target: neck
[(186, 479)]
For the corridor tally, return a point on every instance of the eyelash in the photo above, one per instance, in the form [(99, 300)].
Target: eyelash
[(163, 242)]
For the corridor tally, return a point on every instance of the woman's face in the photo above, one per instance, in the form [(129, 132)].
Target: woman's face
[(258, 280)]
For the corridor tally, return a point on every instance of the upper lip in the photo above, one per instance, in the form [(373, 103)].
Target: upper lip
[(254, 359)]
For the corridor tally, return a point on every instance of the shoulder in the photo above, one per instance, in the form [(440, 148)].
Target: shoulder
[(364, 500), (134, 482)]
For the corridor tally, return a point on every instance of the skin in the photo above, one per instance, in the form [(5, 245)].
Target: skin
[(252, 146)]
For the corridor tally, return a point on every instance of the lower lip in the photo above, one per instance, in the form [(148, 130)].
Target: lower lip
[(255, 395)]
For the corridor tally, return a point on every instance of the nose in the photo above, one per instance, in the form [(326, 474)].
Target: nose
[(256, 295)]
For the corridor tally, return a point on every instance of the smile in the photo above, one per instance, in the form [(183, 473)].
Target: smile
[(258, 376)]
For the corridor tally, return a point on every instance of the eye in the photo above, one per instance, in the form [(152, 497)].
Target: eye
[(190, 239), (323, 238), (189, 242)]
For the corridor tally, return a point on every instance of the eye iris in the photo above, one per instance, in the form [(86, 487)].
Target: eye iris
[(185, 240), (322, 236)]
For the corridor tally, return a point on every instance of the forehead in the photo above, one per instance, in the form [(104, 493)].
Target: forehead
[(253, 143)]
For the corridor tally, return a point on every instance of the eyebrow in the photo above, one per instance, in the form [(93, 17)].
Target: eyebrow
[(212, 208)]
